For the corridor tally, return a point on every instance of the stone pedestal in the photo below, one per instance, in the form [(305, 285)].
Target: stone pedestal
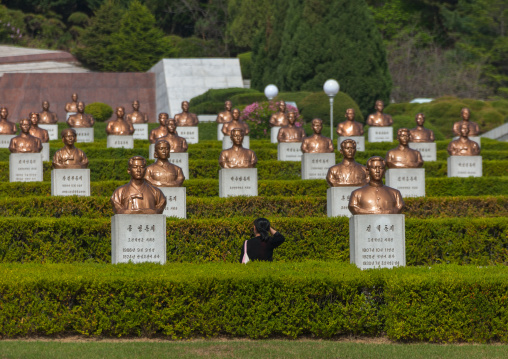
[(140, 131), (52, 130), (45, 152), (337, 201), (220, 135), (115, 141), (238, 182), (5, 140), (289, 151), (176, 201), (190, 133), (227, 143), (465, 166), (138, 238), (409, 181), (427, 150), (377, 240), (381, 134), (476, 139), (360, 142), (70, 182), (25, 167), (274, 132), (316, 165), (84, 134)]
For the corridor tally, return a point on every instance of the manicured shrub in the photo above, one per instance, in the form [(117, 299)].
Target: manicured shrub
[(219, 95), (317, 105), (246, 64), (100, 111)]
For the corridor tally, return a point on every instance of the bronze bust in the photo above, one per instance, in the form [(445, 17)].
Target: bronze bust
[(419, 133), (25, 142), (119, 127), (138, 196), (226, 115), (375, 197), (291, 133), (35, 130), (81, 119), (136, 116), (72, 106), (162, 173), (350, 127), (46, 116), (69, 156), (348, 172), (279, 118), (186, 118), (176, 143), (317, 143), (402, 156), (379, 119), (160, 131), (235, 123), (474, 129), (463, 146), (6, 126), (237, 156)]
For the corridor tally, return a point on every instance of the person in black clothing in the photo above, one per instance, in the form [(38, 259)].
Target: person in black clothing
[(265, 240)]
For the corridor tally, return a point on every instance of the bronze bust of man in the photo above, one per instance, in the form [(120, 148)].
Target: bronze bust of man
[(378, 118), (160, 131), (235, 123), (72, 106), (419, 133), (138, 196), (25, 142), (176, 143), (226, 115), (279, 118), (185, 118), (402, 156), (291, 133), (463, 146), (162, 173), (237, 156), (375, 197), (119, 127), (348, 172), (69, 156), (81, 119), (317, 143), (46, 116), (35, 130), (6, 126), (137, 116), (474, 129), (350, 127)]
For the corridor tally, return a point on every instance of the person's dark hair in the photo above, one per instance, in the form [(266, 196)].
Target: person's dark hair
[(262, 227)]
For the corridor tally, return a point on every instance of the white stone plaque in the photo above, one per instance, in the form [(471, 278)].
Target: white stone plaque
[(337, 201), (115, 141), (289, 151), (25, 167), (45, 152), (476, 139), (84, 134), (220, 135), (138, 238), (465, 166), (52, 130), (409, 181), (238, 182), (360, 142), (70, 182), (227, 143), (190, 133), (274, 132), (140, 131), (427, 150), (316, 165), (380, 134), (176, 201), (377, 240), (5, 140)]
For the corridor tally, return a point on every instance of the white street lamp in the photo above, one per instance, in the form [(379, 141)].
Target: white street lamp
[(331, 88), (271, 91)]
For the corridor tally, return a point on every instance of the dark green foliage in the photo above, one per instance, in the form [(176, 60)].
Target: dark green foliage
[(190, 47), (312, 41), (317, 105), (220, 95), (246, 64), (100, 111), (79, 19)]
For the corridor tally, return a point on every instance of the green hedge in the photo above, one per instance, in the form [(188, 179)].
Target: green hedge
[(258, 300), (220, 95), (480, 241), (246, 64)]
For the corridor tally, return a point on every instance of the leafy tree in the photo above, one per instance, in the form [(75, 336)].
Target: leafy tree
[(314, 40), (247, 17)]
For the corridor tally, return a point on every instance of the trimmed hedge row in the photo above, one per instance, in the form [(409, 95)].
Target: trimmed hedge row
[(482, 241), (435, 187), (292, 207), (259, 300)]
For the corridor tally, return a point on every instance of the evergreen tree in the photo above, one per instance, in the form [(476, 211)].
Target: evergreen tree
[(311, 41)]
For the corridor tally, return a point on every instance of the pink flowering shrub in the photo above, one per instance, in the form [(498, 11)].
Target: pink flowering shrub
[(257, 115)]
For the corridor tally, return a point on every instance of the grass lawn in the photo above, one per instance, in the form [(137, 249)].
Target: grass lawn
[(243, 349)]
